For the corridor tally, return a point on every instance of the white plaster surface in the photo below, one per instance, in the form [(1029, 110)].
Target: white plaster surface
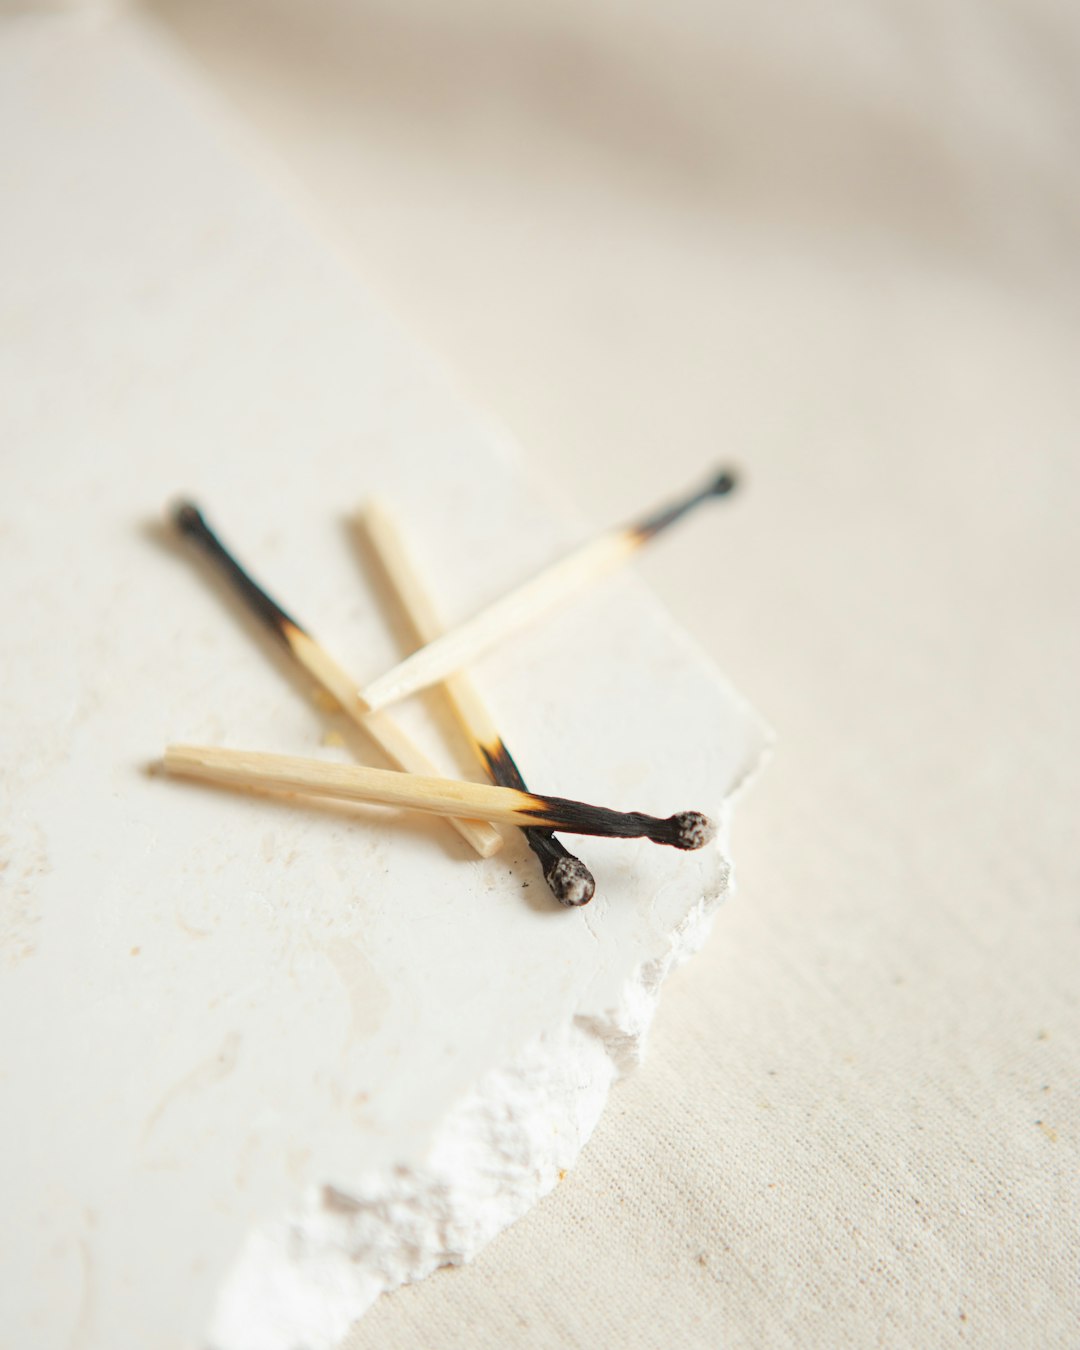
[(842, 239), (320, 1049)]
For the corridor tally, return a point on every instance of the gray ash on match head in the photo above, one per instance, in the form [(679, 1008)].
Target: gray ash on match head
[(568, 879), (692, 830), (571, 882)]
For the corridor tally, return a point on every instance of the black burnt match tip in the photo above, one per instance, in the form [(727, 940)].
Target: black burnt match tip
[(720, 484), (725, 481), (191, 522), (188, 519)]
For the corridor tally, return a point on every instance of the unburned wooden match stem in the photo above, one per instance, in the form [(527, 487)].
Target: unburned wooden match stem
[(440, 796), (318, 662), (569, 880), (459, 647)]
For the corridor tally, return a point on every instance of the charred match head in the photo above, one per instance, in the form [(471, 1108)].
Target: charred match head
[(722, 484), (719, 485), (686, 830), (188, 519), (570, 881), (692, 830)]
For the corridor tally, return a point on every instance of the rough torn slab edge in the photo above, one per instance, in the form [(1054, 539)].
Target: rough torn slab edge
[(304, 1276)]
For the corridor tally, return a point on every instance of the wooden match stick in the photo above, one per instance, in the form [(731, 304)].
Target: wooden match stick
[(568, 879), (460, 646), (318, 662), (440, 796)]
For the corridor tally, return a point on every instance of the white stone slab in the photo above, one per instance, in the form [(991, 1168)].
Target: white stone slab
[(259, 1060)]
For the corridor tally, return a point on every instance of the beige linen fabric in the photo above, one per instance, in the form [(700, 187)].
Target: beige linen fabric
[(840, 244)]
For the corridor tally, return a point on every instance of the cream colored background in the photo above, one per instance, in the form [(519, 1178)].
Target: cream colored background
[(839, 243)]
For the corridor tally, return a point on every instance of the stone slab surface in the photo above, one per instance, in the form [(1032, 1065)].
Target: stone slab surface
[(262, 1060)]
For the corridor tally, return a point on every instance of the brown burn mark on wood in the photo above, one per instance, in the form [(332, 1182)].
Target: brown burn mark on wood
[(500, 765), (568, 879)]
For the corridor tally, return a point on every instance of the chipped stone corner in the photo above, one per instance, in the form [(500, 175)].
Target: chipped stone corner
[(303, 1279), (623, 1030)]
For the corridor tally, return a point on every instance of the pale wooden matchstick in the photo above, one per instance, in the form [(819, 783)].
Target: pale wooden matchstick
[(318, 662), (569, 880), (440, 796), (459, 647)]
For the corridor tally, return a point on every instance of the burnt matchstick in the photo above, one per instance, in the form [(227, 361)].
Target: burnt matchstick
[(439, 796), (460, 646), (569, 880), (318, 663)]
